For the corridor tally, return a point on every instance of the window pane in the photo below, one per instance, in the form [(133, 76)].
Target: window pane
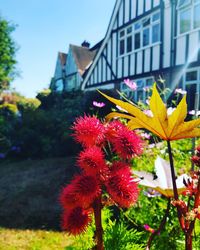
[(185, 20), (140, 83), (121, 50), (191, 90), (146, 22), (59, 85), (122, 33), (129, 30), (149, 82), (145, 37), (129, 44), (137, 40), (156, 17), (137, 26), (140, 95), (197, 16), (183, 3), (191, 76), (156, 33)]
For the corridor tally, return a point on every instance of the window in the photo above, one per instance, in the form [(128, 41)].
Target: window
[(137, 40), (156, 17), (146, 22), (189, 15), (59, 85), (191, 76), (145, 37), (125, 41), (183, 3), (185, 20), (129, 44), (196, 16), (141, 34), (122, 49), (192, 86)]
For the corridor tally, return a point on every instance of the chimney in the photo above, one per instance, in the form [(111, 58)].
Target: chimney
[(85, 44)]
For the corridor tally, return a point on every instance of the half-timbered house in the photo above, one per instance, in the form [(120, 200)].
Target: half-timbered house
[(147, 39)]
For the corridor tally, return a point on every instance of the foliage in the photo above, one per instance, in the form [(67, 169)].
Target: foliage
[(7, 53), (41, 128)]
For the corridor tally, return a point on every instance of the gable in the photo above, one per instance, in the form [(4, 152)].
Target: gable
[(71, 66), (106, 66)]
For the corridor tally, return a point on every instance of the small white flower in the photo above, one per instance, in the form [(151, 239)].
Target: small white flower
[(180, 91), (163, 182), (170, 111)]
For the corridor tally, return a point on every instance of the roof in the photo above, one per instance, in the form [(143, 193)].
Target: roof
[(63, 58), (83, 57)]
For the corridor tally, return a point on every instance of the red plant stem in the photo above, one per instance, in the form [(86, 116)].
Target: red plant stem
[(162, 224), (97, 206), (188, 234), (188, 241), (180, 215)]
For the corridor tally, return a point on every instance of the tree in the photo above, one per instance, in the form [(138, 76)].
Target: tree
[(7, 54)]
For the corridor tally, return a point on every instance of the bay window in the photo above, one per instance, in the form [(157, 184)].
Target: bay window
[(188, 15)]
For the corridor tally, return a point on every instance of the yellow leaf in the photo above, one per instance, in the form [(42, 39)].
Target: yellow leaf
[(177, 117)]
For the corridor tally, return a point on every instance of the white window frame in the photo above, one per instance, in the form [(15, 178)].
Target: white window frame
[(184, 5), (197, 82), (140, 30), (183, 8)]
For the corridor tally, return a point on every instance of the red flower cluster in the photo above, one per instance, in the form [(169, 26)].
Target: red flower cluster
[(78, 197)]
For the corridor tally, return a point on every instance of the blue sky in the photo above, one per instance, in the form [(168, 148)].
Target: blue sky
[(45, 27)]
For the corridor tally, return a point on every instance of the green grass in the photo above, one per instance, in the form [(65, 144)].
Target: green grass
[(15, 239)]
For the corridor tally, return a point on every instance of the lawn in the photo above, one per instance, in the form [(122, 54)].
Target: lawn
[(29, 211), (16, 239)]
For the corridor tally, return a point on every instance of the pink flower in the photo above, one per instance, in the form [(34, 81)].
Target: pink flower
[(132, 85), (98, 104), (76, 220), (192, 112), (149, 229), (89, 131), (148, 112), (145, 136), (180, 91)]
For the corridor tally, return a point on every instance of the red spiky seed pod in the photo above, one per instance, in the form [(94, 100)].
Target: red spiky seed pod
[(68, 197), (76, 220), (127, 144), (92, 161), (87, 188), (88, 131), (122, 188)]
